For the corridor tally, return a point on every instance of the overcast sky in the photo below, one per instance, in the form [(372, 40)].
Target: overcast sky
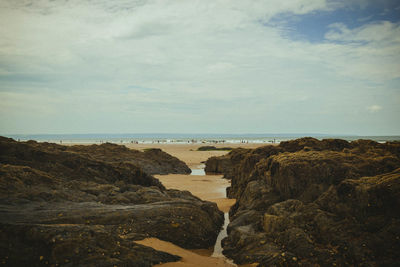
[(187, 66)]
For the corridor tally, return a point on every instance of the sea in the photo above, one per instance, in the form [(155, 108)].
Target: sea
[(174, 138)]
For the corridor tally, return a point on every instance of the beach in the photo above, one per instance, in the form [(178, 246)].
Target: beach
[(188, 152), (206, 187), (110, 203)]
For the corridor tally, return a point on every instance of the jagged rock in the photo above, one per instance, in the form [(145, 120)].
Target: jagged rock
[(73, 245), (63, 207), (151, 161), (307, 174), (218, 165), (309, 202), (56, 161)]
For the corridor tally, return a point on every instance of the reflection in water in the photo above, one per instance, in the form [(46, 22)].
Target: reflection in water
[(217, 253), (217, 247), (199, 171)]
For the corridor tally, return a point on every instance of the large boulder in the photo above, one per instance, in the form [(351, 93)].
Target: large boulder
[(217, 165), (151, 161), (73, 245), (60, 163), (62, 207), (310, 202)]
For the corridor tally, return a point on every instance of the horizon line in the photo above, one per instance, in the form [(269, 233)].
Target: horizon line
[(189, 134)]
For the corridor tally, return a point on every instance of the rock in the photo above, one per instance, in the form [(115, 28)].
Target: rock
[(151, 161), (256, 196), (73, 245), (307, 174), (213, 148), (57, 162), (63, 207), (185, 223), (215, 165), (310, 202), (314, 144), (239, 163), (272, 223)]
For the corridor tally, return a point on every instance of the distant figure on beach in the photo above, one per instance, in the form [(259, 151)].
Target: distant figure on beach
[(60, 141)]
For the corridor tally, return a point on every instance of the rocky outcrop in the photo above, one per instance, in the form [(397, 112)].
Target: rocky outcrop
[(217, 165), (62, 207), (213, 148), (308, 202), (151, 161), (72, 245), (226, 164)]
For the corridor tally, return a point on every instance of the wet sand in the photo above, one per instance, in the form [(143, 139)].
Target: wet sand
[(209, 187), (189, 258)]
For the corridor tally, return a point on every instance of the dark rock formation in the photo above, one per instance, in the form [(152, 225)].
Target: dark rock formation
[(72, 245), (213, 148), (62, 207), (218, 164), (151, 161), (308, 202), (225, 164)]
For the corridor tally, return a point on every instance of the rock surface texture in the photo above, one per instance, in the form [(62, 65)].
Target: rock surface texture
[(151, 161), (314, 203), (74, 206)]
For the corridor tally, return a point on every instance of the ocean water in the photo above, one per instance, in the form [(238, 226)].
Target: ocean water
[(184, 138)]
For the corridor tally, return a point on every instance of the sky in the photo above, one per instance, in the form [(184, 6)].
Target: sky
[(200, 66)]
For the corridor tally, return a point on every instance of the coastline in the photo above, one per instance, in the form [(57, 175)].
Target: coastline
[(190, 139)]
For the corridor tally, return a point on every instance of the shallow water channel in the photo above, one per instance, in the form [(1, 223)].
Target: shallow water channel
[(217, 252), (199, 172)]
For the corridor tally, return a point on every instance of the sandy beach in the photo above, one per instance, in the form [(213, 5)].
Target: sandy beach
[(206, 187), (188, 152)]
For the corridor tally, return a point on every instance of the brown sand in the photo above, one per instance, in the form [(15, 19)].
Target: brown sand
[(209, 187), (189, 258)]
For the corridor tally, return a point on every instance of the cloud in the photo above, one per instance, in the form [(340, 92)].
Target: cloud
[(371, 51), (382, 32), (374, 108), (220, 67), (386, 4), (198, 58)]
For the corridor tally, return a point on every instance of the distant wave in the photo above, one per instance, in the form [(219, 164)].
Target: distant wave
[(185, 138)]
